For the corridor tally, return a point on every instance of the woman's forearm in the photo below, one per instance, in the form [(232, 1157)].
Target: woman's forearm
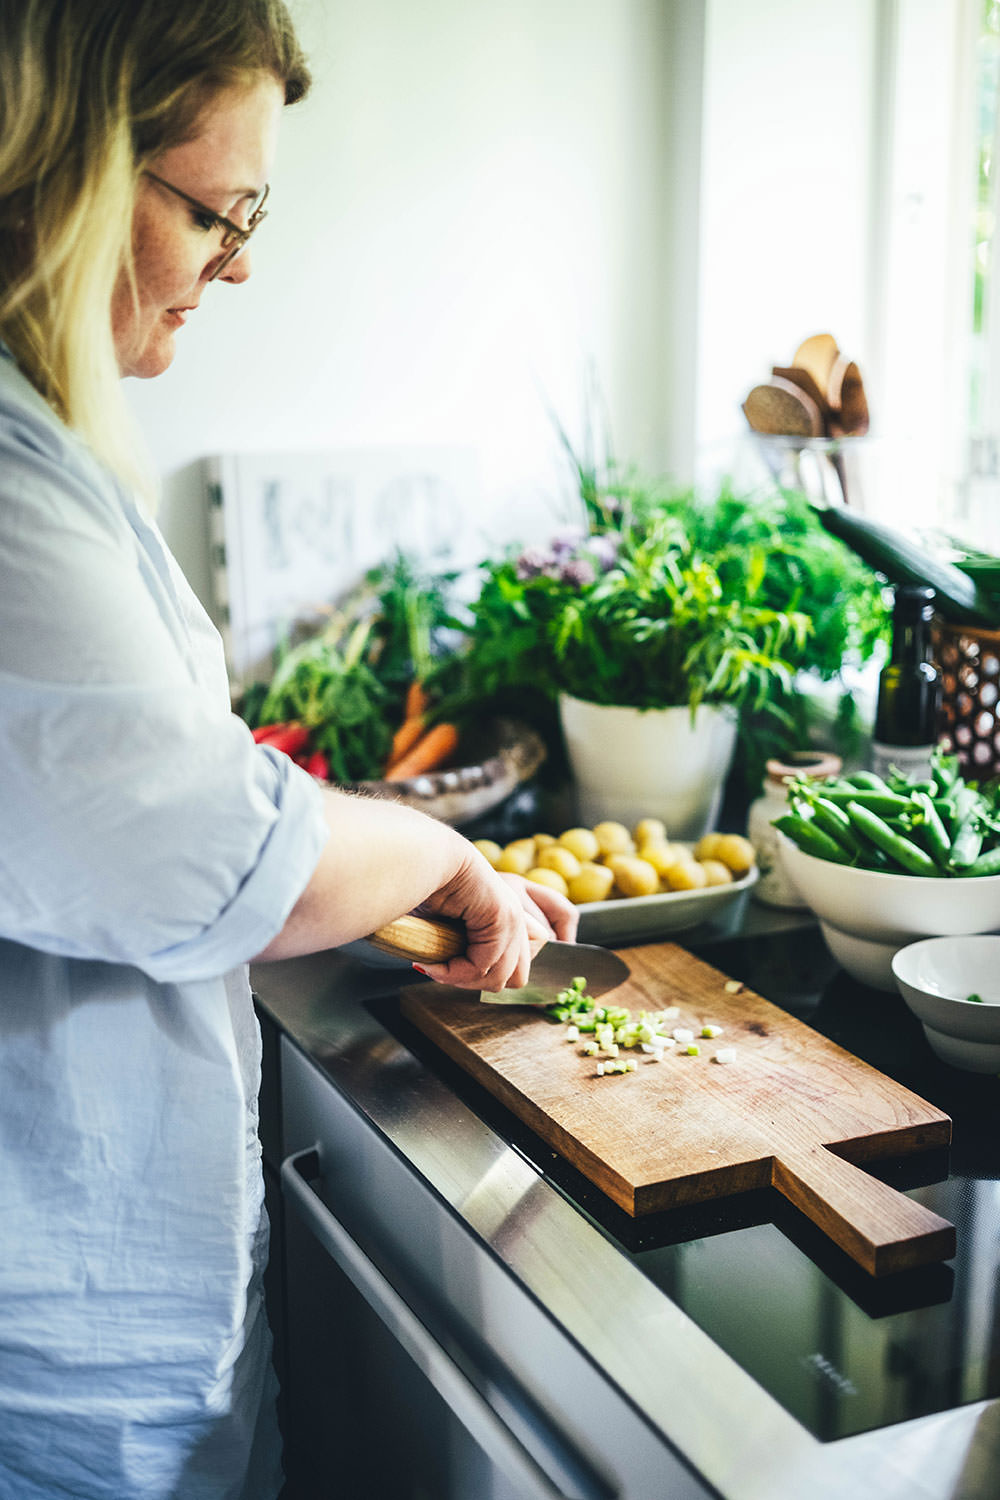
[(380, 860)]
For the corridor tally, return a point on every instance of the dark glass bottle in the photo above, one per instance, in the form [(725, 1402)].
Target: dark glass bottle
[(909, 689)]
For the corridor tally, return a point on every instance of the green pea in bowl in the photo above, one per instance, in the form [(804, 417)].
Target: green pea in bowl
[(866, 916)]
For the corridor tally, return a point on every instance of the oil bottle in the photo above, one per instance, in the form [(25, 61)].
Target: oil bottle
[(909, 689)]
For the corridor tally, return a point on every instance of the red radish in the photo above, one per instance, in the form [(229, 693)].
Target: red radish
[(317, 765), (291, 738)]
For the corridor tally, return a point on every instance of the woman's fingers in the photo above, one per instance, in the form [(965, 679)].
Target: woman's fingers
[(507, 921), (549, 914)]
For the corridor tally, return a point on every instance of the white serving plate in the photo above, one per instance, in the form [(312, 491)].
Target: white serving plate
[(644, 919)]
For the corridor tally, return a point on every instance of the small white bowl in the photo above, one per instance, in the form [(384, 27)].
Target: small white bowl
[(866, 915), (935, 977)]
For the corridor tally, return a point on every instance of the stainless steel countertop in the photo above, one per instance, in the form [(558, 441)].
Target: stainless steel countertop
[(727, 1426)]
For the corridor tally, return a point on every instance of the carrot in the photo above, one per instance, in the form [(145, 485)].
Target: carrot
[(430, 752), (417, 701), (413, 726), (406, 736)]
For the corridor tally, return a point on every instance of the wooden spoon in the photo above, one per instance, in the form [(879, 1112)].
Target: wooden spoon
[(818, 355), (848, 403), (784, 409), (807, 384)]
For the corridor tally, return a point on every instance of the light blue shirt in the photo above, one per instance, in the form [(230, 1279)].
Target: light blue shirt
[(148, 849)]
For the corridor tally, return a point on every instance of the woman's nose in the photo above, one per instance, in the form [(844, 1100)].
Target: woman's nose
[(237, 270)]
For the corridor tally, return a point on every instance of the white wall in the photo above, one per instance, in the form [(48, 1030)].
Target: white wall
[(786, 192), (837, 180), (484, 200), (472, 208)]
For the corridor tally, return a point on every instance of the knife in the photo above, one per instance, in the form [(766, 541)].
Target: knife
[(436, 939)]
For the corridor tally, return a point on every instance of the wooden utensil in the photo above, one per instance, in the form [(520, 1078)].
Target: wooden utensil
[(436, 939), (793, 1110), (818, 354), (847, 400), (804, 381), (780, 407)]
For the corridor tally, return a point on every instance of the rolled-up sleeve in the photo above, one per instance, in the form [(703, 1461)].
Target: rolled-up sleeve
[(142, 825)]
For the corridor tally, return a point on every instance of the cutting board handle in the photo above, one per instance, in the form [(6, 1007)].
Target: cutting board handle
[(880, 1228), (428, 939)]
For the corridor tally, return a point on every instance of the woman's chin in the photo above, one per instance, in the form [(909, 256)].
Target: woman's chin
[(155, 356)]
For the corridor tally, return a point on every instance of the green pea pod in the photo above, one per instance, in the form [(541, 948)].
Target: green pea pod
[(945, 809), (866, 781), (833, 820), (944, 769), (967, 844), (886, 804), (810, 839), (901, 850), (985, 864), (935, 834)]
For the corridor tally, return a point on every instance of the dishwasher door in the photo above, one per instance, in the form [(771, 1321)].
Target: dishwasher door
[(417, 1367)]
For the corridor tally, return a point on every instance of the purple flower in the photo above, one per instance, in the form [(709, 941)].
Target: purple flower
[(532, 563), (578, 572), (604, 550), (567, 541)]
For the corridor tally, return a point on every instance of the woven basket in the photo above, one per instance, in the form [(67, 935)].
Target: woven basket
[(969, 659)]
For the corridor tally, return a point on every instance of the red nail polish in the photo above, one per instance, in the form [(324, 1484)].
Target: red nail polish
[(419, 969)]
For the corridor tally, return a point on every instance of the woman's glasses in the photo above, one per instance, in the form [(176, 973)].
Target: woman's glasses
[(234, 238)]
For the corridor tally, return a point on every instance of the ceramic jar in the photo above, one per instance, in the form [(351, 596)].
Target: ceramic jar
[(775, 888)]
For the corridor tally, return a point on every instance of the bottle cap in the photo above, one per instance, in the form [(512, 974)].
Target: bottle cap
[(915, 599)]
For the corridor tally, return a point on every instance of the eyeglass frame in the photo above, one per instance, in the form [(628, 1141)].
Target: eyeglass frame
[(235, 232)]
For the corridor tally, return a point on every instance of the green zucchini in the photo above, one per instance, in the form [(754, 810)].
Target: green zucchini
[(985, 574), (959, 598)]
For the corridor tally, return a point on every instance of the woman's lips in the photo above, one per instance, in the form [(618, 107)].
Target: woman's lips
[(179, 314)]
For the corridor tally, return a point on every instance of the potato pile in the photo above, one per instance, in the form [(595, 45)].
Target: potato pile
[(609, 860)]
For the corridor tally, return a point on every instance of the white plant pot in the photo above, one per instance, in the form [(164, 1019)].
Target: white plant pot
[(632, 763)]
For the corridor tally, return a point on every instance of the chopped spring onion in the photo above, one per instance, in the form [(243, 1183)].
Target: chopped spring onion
[(726, 1055), (606, 1031)]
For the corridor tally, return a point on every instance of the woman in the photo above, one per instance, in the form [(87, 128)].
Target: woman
[(150, 849)]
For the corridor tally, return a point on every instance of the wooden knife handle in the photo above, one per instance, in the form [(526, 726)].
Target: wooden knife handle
[(434, 939)]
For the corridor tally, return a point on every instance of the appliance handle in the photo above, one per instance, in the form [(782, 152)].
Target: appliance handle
[(448, 1379)]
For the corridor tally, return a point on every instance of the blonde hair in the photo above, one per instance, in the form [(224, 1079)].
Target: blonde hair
[(90, 92)]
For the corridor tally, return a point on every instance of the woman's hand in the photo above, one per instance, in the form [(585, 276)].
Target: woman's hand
[(507, 920), (549, 915)]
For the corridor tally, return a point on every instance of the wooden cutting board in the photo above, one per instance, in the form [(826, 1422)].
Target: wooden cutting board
[(793, 1110)]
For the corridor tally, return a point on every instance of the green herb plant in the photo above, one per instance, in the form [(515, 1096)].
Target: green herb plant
[(347, 682)]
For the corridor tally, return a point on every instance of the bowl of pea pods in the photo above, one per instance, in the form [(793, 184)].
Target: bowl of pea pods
[(885, 861)]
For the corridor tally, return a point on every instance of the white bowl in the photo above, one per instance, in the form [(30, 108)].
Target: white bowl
[(866, 916), (935, 978)]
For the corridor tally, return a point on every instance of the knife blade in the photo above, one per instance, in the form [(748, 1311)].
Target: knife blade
[(436, 939)]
